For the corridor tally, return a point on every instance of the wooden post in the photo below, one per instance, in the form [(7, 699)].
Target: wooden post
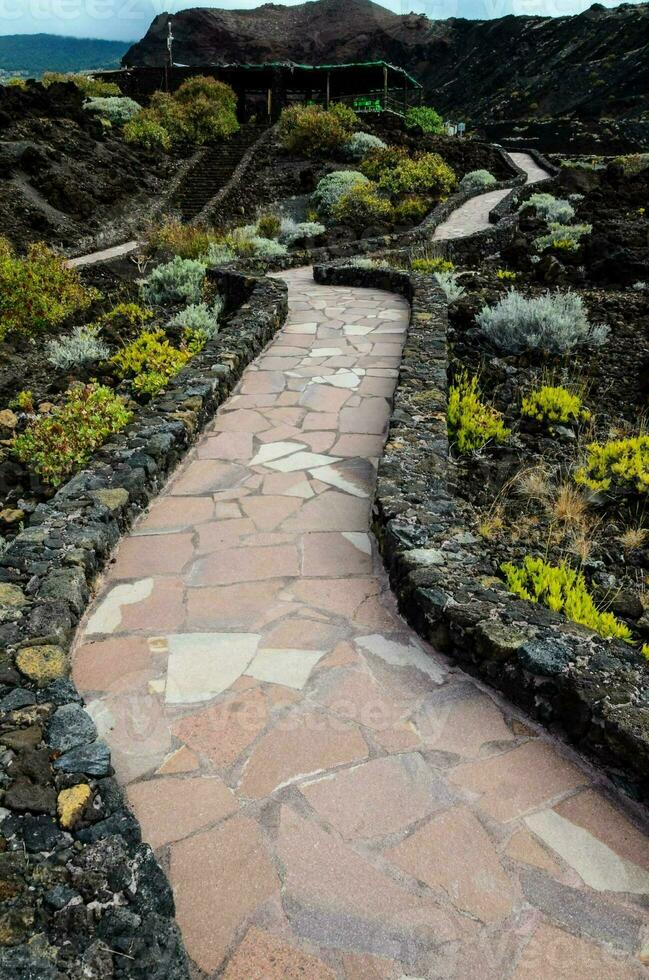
[(270, 103), (385, 88), (328, 92), (405, 96)]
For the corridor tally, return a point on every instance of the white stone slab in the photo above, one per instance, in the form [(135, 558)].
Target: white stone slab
[(401, 655), (108, 615), (291, 668), (275, 450), (202, 665), (301, 461)]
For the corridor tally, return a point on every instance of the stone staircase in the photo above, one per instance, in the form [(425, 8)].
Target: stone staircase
[(214, 170)]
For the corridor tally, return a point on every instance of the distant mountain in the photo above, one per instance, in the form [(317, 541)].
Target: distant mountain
[(595, 64), (33, 54)]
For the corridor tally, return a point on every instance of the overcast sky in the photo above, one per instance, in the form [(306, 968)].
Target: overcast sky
[(129, 19)]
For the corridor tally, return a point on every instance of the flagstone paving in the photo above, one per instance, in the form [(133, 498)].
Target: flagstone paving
[(332, 799)]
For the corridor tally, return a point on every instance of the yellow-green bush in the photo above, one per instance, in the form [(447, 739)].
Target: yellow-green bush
[(471, 422), (314, 131), (269, 225), (361, 207), (506, 275), (412, 209), (554, 405), (187, 241), (56, 446), (38, 291), (150, 360), (125, 315), (622, 463), (381, 161), (91, 87), (427, 173), (425, 117), (563, 590), (145, 130)]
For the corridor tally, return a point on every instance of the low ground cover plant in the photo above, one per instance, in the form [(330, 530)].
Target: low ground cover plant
[(554, 322), (477, 180), (38, 291), (313, 131), (554, 405), (56, 445), (472, 423), (425, 173), (566, 238), (199, 320), (203, 110), (563, 590), (177, 238), (150, 361), (620, 463), (432, 264)]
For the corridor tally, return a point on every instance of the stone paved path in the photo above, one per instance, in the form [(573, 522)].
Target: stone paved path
[(333, 800), (107, 253), (474, 214)]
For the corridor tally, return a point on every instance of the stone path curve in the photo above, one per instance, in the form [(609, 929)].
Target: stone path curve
[(331, 799)]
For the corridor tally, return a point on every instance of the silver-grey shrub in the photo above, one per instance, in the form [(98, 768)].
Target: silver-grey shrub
[(550, 208), (113, 108), (477, 180), (360, 144), (553, 322), (200, 317), (82, 346), (448, 283), (178, 281), (292, 231)]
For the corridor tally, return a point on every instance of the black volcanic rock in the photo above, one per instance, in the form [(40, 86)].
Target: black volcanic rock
[(592, 64)]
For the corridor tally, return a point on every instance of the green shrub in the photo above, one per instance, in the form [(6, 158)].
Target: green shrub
[(145, 130), (125, 316), (203, 110), (56, 446), (426, 118), (554, 406), (117, 111), (506, 275), (269, 226), (553, 322), (425, 174), (477, 180), (332, 188), (150, 360), (314, 131), (562, 590), (563, 237), (91, 87), (361, 207), (38, 291), (471, 422), (633, 163), (178, 281), (621, 463)]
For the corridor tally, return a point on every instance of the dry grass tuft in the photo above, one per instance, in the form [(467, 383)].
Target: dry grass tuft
[(492, 524), (569, 506), (534, 483), (634, 538)]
